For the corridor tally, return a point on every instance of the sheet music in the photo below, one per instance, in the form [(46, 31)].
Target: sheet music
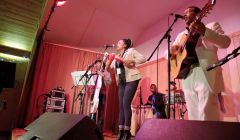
[(76, 75)]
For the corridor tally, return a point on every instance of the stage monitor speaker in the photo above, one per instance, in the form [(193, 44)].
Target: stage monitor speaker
[(55, 126), (154, 129)]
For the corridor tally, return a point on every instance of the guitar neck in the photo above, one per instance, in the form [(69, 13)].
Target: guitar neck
[(205, 10)]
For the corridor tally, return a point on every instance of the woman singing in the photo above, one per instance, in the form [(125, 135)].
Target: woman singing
[(127, 77)]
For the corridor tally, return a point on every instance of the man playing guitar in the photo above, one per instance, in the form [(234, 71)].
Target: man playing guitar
[(201, 88)]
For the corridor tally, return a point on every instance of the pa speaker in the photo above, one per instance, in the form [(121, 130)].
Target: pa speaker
[(153, 129), (54, 126)]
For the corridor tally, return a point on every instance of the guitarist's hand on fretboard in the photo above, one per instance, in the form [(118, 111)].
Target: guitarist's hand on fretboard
[(198, 27)]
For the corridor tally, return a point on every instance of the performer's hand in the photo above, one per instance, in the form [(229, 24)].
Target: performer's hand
[(174, 50), (198, 27), (129, 63), (118, 58), (100, 73), (111, 57)]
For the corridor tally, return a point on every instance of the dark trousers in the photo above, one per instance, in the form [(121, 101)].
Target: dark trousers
[(159, 112), (101, 106), (126, 92)]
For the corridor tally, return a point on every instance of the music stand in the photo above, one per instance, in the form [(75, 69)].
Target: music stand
[(84, 79)]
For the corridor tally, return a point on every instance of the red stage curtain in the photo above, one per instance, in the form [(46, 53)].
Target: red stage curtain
[(54, 66)]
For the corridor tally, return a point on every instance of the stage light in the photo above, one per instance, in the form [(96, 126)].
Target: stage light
[(60, 3), (10, 53), (12, 58)]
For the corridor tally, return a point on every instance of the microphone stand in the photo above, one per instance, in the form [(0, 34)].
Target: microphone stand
[(80, 94), (174, 100), (140, 107), (106, 47), (230, 56), (168, 37)]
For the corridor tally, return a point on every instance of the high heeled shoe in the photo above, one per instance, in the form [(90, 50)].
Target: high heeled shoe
[(127, 135), (120, 134)]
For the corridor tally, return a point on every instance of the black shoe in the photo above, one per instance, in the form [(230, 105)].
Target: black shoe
[(120, 134), (127, 135)]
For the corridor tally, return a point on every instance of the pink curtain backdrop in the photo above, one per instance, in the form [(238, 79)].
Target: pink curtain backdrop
[(231, 73), (54, 66)]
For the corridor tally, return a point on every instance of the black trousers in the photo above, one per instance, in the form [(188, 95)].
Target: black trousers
[(159, 112), (126, 92), (101, 106)]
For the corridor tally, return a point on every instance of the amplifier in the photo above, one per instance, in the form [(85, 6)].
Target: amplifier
[(55, 109), (55, 102), (58, 94)]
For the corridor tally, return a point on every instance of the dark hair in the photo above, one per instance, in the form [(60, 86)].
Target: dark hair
[(128, 43), (153, 85), (195, 9), (98, 60)]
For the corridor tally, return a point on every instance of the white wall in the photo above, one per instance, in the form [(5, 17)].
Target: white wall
[(227, 13)]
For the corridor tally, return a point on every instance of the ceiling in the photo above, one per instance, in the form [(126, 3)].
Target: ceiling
[(92, 23), (19, 23), (86, 24)]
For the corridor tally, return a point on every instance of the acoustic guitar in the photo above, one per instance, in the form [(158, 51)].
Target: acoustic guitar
[(186, 54)]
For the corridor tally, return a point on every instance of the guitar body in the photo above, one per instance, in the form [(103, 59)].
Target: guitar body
[(185, 57), (176, 62)]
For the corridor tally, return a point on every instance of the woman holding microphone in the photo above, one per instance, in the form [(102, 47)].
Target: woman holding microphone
[(127, 77)]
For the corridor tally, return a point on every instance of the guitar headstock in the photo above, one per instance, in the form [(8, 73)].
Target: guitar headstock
[(213, 2), (206, 9)]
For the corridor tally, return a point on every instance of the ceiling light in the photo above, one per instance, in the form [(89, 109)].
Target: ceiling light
[(14, 52), (12, 58), (60, 3)]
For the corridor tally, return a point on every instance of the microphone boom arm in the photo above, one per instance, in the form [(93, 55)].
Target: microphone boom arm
[(224, 60)]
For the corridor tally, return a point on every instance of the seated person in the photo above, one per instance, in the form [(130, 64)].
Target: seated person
[(156, 99)]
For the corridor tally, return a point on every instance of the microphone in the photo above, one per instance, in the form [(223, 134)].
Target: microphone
[(109, 46), (178, 16), (219, 63), (105, 56), (91, 65), (111, 57), (236, 50)]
